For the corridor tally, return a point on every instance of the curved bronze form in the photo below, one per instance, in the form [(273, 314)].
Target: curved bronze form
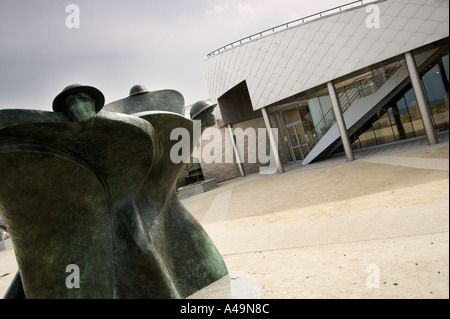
[(100, 194)]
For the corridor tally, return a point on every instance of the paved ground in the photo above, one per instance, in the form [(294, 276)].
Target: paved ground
[(338, 229), (376, 227)]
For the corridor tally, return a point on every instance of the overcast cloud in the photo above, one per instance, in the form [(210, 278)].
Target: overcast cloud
[(159, 44)]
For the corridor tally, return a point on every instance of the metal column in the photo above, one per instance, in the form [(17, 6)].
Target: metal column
[(421, 99), (340, 121), (273, 145), (236, 151)]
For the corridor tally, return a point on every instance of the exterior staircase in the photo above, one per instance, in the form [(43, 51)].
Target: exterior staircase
[(363, 98)]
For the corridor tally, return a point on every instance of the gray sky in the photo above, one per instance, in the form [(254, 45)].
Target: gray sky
[(158, 44)]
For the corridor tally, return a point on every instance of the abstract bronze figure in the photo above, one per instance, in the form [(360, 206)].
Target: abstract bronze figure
[(96, 189), (142, 100), (203, 111)]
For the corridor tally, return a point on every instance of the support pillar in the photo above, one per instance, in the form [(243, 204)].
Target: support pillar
[(236, 151), (340, 121), (421, 98), (273, 145)]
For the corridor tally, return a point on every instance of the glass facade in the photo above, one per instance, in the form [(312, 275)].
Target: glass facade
[(400, 118), (302, 124), (297, 126)]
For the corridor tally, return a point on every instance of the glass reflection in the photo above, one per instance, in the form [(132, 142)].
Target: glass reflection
[(308, 120)]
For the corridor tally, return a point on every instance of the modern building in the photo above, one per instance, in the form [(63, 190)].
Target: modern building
[(359, 75)]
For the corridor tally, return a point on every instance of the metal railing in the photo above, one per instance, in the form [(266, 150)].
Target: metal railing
[(294, 23), (359, 88)]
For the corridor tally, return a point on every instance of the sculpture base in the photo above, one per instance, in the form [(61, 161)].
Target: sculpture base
[(235, 285), (197, 188)]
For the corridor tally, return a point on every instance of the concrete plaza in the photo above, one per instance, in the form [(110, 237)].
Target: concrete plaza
[(376, 227)]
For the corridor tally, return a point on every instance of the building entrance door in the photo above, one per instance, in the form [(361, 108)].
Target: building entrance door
[(294, 134), (296, 125)]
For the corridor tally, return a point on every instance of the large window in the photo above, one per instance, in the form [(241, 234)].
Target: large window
[(405, 118), (306, 121), (401, 118), (383, 128), (434, 86), (414, 113)]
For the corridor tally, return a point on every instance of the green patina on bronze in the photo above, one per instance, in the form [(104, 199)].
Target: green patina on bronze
[(99, 192)]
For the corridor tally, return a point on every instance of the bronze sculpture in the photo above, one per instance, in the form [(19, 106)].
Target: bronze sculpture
[(96, 188), (203, 111)]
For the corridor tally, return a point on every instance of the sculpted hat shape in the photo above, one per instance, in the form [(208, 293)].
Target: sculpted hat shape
[(138, 89), (59, 103), (199, 107)]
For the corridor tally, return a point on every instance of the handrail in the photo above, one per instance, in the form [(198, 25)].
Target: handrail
[(314, 16)]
